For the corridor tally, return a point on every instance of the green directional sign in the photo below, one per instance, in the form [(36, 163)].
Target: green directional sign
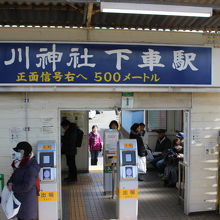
[(2, 183), (127, 99), (127, 94), (108, 169)]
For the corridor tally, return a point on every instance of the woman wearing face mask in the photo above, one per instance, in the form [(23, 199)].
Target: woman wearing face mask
[(95, 144), (24, 181)]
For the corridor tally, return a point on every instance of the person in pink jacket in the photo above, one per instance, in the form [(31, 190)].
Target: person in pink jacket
[(95, 144)]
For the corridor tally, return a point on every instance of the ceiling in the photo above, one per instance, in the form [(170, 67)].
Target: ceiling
[(86, 13)]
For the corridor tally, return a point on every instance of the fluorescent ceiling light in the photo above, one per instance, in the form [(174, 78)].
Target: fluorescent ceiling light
[(154, 9)]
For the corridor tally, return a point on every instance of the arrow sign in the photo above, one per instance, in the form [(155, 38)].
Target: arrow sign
[(127, 102)]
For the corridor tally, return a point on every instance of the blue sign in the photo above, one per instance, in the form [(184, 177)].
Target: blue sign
[(72, 63)]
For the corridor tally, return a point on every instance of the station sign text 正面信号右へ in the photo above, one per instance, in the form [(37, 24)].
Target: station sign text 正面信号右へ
[(72, 63)]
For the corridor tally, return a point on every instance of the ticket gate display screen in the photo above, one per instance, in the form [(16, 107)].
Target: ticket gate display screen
[(46, 159), (128, 158)]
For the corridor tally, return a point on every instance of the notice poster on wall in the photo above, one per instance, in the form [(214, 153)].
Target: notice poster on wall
[(196, 135), (47, 126), (16, 134)]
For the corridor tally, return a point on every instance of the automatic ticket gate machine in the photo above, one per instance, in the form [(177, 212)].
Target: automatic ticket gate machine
[(111, 137), (48, 198), (127, 180)]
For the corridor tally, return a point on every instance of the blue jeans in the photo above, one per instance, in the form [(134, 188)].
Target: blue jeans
[(170, 173), (155, 160), (161, 165)]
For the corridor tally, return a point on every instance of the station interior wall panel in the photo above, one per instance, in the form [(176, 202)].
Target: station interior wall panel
[(205, 125), (43, 112)]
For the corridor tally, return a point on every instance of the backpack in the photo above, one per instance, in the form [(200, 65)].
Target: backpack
[(79, 138)]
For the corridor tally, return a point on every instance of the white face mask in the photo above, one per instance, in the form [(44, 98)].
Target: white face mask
[(18, 155)]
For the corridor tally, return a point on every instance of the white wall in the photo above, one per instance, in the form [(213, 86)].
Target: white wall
[(43, 110), (44, 107), (11, 117), (205, 124)]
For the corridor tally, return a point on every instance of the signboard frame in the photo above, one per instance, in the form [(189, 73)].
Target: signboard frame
[(114, 84)]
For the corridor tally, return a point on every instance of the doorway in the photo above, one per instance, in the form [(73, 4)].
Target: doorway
[(95, 179), (80, 118), (172, 121), (101, 119)]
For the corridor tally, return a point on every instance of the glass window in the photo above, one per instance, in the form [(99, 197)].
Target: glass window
[(157, 119)]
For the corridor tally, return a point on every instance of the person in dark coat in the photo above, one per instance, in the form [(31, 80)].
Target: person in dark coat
[(172, 159), (69, 148), (162, 145), (24, 181), (135, 134), (163, 142)]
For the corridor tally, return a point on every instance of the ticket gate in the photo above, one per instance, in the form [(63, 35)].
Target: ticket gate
[(48, 198), (127, 180), (111, 137)]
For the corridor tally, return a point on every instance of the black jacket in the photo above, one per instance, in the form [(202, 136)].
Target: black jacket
[(140, 143), (163, 144), (69, 140)]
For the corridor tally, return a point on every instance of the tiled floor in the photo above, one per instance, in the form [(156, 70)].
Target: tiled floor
[(85, 200)]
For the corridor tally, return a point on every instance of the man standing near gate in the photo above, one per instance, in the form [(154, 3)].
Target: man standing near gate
[(71, 139)]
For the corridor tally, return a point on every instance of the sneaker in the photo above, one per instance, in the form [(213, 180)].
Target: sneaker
[(70, 179), (171, 185), (161, 175), (66, 179), (166, 182)]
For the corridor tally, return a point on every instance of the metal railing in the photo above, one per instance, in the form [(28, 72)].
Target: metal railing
[(181, 181)]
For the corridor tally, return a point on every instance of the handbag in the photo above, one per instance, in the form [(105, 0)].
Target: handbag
[(10, 204), (149, 156), (142, 167)]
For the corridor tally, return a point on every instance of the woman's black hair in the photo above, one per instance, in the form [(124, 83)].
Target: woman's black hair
[(94, 126), (113, 122), (65, 122), (134, 127)]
